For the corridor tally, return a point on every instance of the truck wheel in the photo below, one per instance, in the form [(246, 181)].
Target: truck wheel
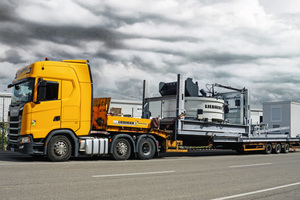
[(286, 148), (59, 148), (277, 148), (146, 149), (268, 148), (121, 149)]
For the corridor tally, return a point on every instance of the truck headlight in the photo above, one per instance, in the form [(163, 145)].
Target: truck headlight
[(25, 140)]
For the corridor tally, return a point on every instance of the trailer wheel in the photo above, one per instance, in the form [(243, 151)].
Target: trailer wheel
[(286, 148), (59, 148), (121, 149), (268, 148), (146, 149), (277, 149)]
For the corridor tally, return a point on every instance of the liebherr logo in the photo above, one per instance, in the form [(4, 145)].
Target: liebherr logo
[(213, 107), (123, 122), (136, 123)]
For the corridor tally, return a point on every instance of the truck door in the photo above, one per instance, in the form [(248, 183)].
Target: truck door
[(70, 105), (46, 113)]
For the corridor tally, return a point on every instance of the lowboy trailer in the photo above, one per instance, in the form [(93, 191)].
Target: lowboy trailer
[(53, 113)]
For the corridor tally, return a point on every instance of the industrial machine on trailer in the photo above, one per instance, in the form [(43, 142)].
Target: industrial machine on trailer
[(53, 113)]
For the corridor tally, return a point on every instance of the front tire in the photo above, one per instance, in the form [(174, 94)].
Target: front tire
[(121, 149), (146, 149), (59, 148)]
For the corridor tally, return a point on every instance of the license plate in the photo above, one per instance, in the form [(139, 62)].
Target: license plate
[(12, 149)]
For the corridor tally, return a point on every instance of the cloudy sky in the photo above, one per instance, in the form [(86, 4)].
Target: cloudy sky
[(240, 43)]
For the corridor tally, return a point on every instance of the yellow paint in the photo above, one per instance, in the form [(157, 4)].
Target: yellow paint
[(73, 106), (26, 119), (173, 146), (254, 147), (128, 122)]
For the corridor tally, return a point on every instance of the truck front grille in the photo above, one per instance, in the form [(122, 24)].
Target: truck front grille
[(14, 127)]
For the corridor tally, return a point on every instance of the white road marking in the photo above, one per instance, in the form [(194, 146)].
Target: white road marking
[(258, 191), (251, 165), (132, 174)]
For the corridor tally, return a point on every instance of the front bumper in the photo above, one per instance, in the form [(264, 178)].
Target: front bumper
[(20, 147)]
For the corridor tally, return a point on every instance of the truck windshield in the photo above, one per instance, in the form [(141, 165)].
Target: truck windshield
[(23, 92)]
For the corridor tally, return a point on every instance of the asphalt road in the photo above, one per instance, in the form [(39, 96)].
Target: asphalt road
[(206, 175)]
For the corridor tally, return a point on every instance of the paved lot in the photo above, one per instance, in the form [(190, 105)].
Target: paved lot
[(206, 175)]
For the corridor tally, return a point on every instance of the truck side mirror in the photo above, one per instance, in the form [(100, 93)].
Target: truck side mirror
[(42, 90)]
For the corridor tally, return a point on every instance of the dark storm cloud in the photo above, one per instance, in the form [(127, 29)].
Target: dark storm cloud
[(217, 59), (13, 56), (120, 20), (279, 78), (150, 68), (131, 86), (71, 35), (11, 36), (20, 32), (274, 92), (67, 35), (138, 62), (12, 31), (108, 57), (7, 11)]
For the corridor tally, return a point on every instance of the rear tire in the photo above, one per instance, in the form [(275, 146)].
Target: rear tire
[(121, 149), (268, 148), (277, 149), (59, 148), (286, 148), (146, 149)]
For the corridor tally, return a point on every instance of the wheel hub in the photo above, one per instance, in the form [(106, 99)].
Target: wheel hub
[(60, 148), (146, 148), (122, 148)]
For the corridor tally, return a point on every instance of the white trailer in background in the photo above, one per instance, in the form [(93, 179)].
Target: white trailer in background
[(5, 100), (283, 114), (127, 108), (256, 116)]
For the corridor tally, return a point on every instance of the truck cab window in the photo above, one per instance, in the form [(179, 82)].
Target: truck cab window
[(22, 92), (51, 91)]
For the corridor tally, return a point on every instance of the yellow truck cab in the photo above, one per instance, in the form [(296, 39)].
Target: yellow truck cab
[(53, 113), (50, 98)]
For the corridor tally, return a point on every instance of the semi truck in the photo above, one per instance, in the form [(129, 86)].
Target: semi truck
[(53, 113)]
